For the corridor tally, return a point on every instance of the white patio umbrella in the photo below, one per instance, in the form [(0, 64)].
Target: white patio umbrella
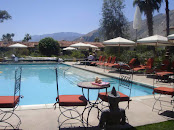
[(119, 41), (171, 38), (137, 20), (80, 45), (69, 48), (92, 46), (18, 45), (155, 40)]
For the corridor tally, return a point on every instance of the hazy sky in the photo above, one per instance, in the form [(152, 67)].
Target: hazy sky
[(51, 16)]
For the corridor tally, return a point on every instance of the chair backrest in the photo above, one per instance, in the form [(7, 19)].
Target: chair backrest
[(165, 64), (57, 84), (126, 82), (109, 59), (150, 63), (17, 87), (172, 65), (131, 62), (100, 58), (103, 58), (113, 60)]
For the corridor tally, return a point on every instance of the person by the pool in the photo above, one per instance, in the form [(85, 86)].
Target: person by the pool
[(90, 58)]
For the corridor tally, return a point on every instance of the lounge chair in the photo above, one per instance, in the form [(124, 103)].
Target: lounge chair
[(108, 61), (68, 105), (102, 61), (165, 66), (123, 66), (164, 75), (147, 67), (112, 61), (8, 104), (94, 63)]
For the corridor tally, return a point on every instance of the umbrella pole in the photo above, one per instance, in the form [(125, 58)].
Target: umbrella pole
[(119, 52), (136, 35)]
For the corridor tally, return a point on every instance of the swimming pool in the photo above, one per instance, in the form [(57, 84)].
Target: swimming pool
[(38, 83)]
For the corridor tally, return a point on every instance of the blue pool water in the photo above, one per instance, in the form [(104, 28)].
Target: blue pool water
[(38, 84)]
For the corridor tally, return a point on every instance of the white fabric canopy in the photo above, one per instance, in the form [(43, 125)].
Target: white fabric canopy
[(155, 40), (69, 48), (80, 45), (171, 37), (92, 46), (137, 19), (18, 45), (119, 41)]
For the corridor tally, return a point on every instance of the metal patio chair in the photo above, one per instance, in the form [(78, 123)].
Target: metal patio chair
[(162, 90), (125, 81), (68, 105), (8, 104)]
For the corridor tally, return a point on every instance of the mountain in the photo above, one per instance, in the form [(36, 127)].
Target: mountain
[(159, 27), (68, 36)]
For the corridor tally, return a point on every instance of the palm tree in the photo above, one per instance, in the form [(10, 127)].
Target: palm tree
[(167, 17), (7, 37), (27, 38), (148, 7)]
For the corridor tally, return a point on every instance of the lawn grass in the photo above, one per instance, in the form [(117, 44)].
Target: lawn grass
[(167, 125)]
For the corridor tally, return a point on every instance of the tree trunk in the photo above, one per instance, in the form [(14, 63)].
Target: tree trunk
[(149, 21), (167, 17)]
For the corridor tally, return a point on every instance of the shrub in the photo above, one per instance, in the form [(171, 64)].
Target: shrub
[(126, 56), (48, 46), (77, 54)]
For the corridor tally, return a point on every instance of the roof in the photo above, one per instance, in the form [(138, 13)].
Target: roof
[(28, 44), (62, 43)]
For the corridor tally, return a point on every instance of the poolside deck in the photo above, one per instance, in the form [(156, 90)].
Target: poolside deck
[(139, 113)]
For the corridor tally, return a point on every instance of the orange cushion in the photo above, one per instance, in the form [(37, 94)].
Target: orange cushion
[(104, 96), (139, 68), (8, 101), (164, 90), (72, 100), (164, 73), (114, 65)]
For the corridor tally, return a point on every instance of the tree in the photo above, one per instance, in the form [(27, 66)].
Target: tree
[(148, 7), (167, 17), (96, 39), (113, 22), (4, 16), (7, 37), (27, 38), (48, 46)]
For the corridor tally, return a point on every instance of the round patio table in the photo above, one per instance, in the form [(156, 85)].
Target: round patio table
[(90, 86)]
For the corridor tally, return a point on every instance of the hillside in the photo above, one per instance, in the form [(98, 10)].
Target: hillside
[(68, 36), (159, 28)]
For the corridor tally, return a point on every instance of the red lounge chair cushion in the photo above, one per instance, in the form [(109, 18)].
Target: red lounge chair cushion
[(8, 101), (164, 90), (139, 68), (72, 100), (165, 73), (114, 65), (104, 96)]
